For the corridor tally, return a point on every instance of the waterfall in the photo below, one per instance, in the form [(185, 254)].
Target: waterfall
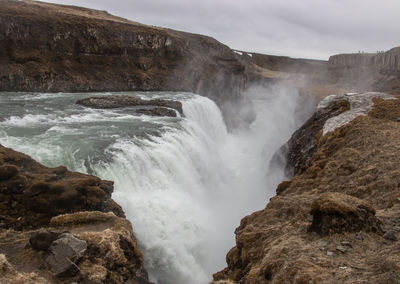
[(183, 183)]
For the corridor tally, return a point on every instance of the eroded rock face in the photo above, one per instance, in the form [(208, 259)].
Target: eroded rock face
[(303, 143), (48, 47), (332, 112), (389, 60), (157, 107), (366, 71)]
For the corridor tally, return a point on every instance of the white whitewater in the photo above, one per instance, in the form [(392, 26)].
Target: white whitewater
[(185, 187)]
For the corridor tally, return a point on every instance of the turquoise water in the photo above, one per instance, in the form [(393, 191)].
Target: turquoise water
[(183, 182)]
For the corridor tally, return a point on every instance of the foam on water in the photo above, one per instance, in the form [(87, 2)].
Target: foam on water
[(185, 183)]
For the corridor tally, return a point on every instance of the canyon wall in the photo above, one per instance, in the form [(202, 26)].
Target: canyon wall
[(338, 219), (366, 71), (389, 60), (55, 48)]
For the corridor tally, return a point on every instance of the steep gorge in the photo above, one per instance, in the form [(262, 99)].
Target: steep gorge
[(338, 219), (353, 171)]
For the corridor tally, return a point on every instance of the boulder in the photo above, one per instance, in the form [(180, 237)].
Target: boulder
[(64, 252), (42, 240), (335, 212)]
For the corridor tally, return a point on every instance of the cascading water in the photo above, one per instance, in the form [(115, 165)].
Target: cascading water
[(185, 183)]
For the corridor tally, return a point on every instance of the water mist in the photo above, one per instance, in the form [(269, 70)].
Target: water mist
[(184, 183)]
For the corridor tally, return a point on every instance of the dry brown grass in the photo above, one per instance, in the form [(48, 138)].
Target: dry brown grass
[(362, 160)]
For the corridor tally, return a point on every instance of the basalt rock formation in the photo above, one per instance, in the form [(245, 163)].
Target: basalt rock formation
[(156, 107), (48, 47), (372, 71), (338, 219), (58, 226)]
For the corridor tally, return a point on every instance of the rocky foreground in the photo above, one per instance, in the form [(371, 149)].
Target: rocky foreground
[(338, 219), (58, 226)]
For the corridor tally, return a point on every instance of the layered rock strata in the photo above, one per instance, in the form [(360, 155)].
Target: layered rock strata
[(360, 71), (48, 47), (338, 220)]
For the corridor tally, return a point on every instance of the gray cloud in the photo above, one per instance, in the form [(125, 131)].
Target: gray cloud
[(307, 28)]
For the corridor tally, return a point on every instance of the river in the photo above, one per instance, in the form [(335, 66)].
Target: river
[(183, 182)]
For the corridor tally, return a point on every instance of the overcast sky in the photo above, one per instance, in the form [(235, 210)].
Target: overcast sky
[(297, 28)]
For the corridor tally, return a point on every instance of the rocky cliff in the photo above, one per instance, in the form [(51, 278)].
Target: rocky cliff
[(367, 71), (338, 219), (47, 47), (58, 226), (389, 60)]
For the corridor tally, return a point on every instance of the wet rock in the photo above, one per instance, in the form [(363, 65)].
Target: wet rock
[(303, 143), (157, 111), (390, 235), (64, 251), (42, 240), (120, 101), (337, 213)]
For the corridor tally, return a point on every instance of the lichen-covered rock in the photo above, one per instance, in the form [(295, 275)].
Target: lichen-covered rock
[(335, 212), (64, 252)]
